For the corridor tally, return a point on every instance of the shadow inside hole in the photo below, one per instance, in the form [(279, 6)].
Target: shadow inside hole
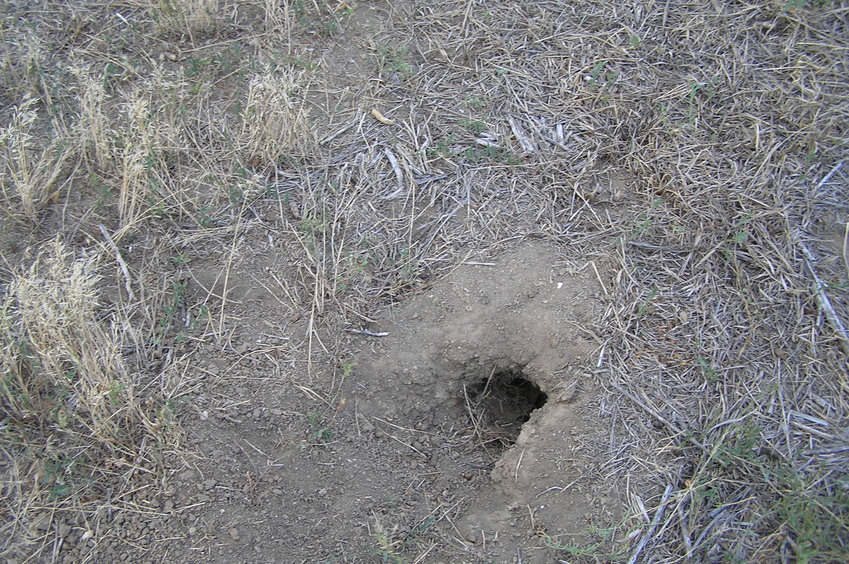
[(499, 405)]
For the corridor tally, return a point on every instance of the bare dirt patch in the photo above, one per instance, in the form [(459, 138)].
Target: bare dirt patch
[(464, 431), (490, 361)]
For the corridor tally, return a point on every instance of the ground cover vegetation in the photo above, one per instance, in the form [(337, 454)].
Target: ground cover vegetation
[(696, 149)]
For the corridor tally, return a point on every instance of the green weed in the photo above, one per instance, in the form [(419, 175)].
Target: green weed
[(313, 228), (394, 61), (386, 549), (181, 260), (601, 75), (195, 67), (449, 148), (595, 542), (489, 153), (171, 309), (319, 431), (699, 92), (443, 148), (348, 367), (741, 234), (644, 306), (205, 218), (814, 521), (709, 372), (473, 126), (476, 103), (302, 63), (330, 27)]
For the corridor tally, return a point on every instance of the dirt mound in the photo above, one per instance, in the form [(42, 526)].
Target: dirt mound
[(493, 356)]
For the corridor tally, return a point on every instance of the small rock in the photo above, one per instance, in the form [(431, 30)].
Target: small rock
[(234, 533)]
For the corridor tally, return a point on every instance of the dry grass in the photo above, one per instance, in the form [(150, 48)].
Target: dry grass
[(31, 167), (77, 421), (274, 126), (192, 18), (732, 119), (704, 142)]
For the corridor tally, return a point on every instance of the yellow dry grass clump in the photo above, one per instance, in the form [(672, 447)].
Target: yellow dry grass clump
[(74, 414)]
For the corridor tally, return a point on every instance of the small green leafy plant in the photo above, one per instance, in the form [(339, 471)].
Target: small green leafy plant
[(319, 431)]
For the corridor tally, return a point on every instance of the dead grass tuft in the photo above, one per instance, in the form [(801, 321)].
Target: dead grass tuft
[(76, 419), (274, 130), (188, 18), (29, 167)]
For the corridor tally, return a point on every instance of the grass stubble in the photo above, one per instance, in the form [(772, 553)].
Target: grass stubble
[(174, 128)]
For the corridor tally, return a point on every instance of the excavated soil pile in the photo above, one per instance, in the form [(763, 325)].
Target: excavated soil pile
[(493, 356)]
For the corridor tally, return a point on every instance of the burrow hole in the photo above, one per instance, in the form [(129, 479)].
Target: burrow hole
[(500, 403)]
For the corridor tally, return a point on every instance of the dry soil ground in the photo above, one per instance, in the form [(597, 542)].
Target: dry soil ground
[(434, 282)]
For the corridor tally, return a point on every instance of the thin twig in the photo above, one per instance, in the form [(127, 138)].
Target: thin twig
[(823, 301), (120, 261), (654, 523), (368, 333)]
